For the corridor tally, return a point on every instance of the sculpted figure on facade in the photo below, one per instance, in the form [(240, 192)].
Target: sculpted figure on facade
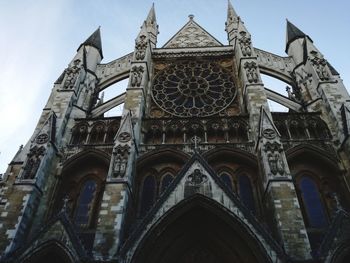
[(245, 44), (121, 160), (141, 47), (72, 74), (274, 157), (251, 72), (320, 65), (136, 76), (34, 159)]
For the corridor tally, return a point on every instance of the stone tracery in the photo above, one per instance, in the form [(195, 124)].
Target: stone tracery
[(197, 88)]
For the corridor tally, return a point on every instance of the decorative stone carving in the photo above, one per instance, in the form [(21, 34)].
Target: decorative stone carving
[(197, 178), (72, 74), (124, 137), (245, 44), (276, 163), (251, 72), (274, 157), (320, 65), (42, 138), (140, 48), (196, 88), (121, 160), (192, 35), (136, 76), (269, 134), (33, 162)]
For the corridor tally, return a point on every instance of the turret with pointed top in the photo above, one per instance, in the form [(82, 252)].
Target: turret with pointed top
[(231, 25), (90, 51), (152, 26), (294, 33)]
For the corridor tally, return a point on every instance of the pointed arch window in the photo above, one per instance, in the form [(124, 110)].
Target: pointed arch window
[(97, 134), (85, 204), (167, 179), (148, 194), (314, 209), (226, 178), (246, 192)]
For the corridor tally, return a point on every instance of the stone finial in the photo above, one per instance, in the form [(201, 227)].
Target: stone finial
[(190, 16)]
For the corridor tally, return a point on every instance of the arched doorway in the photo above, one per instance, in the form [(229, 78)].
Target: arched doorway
[(52, 252), (199, 230)]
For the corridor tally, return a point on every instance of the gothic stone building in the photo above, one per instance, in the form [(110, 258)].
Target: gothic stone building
[(197, 168)]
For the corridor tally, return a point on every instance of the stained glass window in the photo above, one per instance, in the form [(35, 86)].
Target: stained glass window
[(227, 180), (312, 203), (167, 179), (85, 203), (246, 192), (148, 194)]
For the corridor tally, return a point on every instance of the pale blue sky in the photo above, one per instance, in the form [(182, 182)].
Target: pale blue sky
[(39, 38)]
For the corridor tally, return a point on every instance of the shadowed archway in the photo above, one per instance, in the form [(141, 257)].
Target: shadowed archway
[(52, 251), (199, 230)]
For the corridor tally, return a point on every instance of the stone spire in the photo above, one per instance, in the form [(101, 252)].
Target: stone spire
[(231, 13), (152, 26), (94, 40), (294, 33)]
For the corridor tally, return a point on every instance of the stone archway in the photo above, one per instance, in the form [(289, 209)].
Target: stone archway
[(53, 252), (198, 230)]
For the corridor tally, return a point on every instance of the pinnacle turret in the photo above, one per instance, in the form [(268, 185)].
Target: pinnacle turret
[(294, 33), (151, 18), (231, 13), (94, 40), (150, 26)]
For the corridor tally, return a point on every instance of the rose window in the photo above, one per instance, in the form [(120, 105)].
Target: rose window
[(193, 89)]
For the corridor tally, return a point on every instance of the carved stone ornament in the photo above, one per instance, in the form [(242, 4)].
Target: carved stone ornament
[(276, 163), (72, 74), (320, 65), (42, 138), (136, 76), (269, 134), (251, 72), (245, 44), (121, 160), (124, 137), (197, 178), (274, 146), (196, 88), (274, 158), (141, 46)]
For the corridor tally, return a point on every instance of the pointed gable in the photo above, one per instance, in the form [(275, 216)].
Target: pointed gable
[(192, 35)]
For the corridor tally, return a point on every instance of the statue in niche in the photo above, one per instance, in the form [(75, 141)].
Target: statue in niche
[(72, 74), (245, 43), (136, 76), (141, 47), (120, 161), (251, 72), (276, 163)]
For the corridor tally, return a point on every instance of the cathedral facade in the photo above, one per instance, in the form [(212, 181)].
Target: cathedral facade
[(197, 168)]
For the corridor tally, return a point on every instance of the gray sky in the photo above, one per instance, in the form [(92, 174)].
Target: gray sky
[(40, 37)]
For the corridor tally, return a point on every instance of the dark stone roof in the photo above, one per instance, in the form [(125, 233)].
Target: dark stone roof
[(332, 69), (95, 41), (294, 33)]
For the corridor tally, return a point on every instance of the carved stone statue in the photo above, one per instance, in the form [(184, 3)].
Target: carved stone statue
[(72, 74), (251, 72), (245, 44), (136, 76), (275, 162), (320, 65), (120, 161), (141, 47)]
